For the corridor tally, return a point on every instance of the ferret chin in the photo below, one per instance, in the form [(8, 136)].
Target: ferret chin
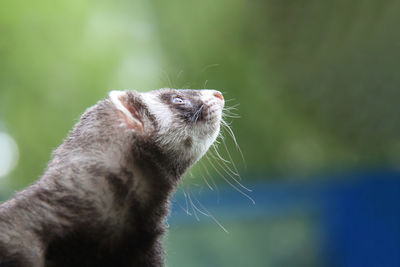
[(105, 193)]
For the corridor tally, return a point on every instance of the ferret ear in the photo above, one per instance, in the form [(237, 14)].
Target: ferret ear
[(128, 112)]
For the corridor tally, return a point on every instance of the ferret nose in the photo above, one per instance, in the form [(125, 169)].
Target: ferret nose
[(218, 95)]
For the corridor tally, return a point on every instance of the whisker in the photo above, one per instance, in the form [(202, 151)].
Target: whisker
[(225, 163), (196, 115), (205, 84), (186, 85), (226, 166), (207, 183), (230, 100), (212, 179), (231, 116), (169, 81), (226, 180), (230, 158), (230, 132), (179, 74), (218, 155), (229, 110), (209, 66), (208, 214), (194, 208), (186, 202), (233, 178), (186, 210), (234, 107)]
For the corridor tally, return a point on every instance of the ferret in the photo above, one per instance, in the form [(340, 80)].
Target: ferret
[(104, 196)]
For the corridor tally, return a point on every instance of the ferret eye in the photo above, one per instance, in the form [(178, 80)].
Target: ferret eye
[(177, 100)]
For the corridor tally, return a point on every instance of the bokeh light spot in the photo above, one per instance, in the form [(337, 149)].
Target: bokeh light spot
[(8, 154)]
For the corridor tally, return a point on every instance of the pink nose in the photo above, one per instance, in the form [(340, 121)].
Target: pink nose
[(218, 95)]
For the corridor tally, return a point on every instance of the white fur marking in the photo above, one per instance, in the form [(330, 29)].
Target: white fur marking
[(161, 111), (115, 99)]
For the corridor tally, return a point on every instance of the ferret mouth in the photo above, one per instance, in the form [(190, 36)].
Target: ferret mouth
[(212, 113), (206, 115)]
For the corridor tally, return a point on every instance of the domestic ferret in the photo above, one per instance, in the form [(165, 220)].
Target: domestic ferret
[(104, 196)]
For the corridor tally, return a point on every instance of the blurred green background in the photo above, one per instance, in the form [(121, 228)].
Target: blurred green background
[(316, 82)]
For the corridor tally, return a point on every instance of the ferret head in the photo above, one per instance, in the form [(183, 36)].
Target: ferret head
[(183, 123)]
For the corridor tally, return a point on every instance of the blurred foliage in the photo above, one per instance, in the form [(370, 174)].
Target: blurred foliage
[(281, 242), (316, 81)]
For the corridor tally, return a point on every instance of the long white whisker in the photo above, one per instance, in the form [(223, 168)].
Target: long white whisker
[(186, 202), (179, 74), (233, 178), (230, 132), (205, 84), (226, 180), (218, 155), (208, 214), (211, 178), (231, 116), (230, 158), (209, 66), (194, 208), (225, 167), (225, 163), (197, 114), (229, 113), (229, 100), (230, 109), (170, 84), (207, 183)]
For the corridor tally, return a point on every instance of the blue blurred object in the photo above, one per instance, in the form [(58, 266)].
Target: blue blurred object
[(362, 220), (357, 214)]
